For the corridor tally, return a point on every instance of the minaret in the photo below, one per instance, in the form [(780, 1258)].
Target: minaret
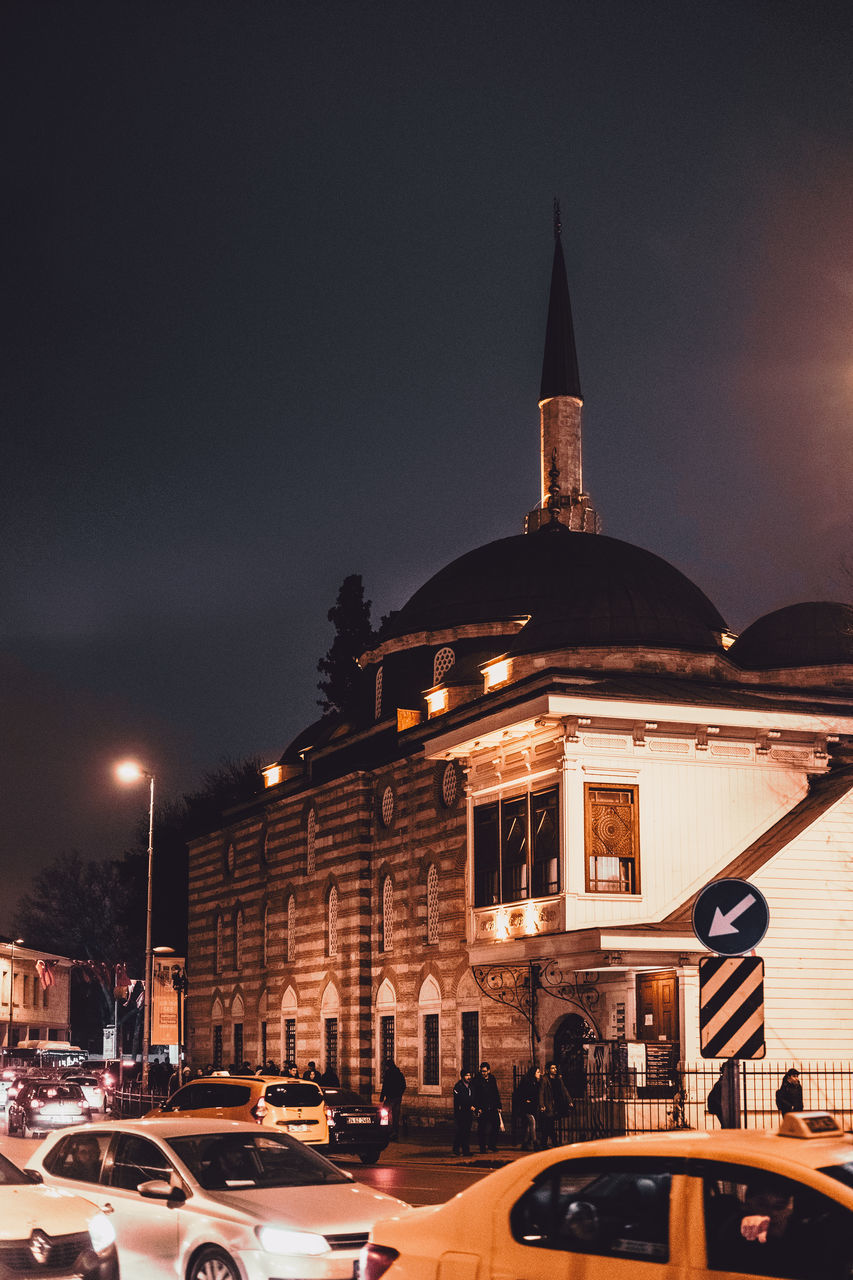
[(563, 500)]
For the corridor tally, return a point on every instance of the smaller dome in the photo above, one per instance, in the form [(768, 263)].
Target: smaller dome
[(817, 633)]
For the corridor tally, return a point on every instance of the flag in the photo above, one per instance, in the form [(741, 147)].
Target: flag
[(44, 969), (122, 982)]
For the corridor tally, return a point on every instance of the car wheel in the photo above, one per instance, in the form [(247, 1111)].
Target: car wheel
[(10, 1126), (369, 1157), (213, 1264)]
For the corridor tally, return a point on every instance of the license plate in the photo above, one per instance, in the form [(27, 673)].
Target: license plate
[(297, 1128), (360, 1120)]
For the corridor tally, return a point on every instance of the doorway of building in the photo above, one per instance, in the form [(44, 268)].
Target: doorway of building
[(657, 1007), (569, 1039)]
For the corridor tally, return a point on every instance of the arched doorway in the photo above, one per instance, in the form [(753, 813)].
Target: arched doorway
[(570, 1037)]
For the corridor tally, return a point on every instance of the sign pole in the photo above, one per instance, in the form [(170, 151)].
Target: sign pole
[(731, 1094)]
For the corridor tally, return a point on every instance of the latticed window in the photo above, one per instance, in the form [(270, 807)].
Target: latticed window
[(612, 843), (430, 1063), (470, 1040), (333, 921), (311, 842), (386, 1038), (291, 927), (217, 1045), (441, 664), (387, 807), (449, 785), (265, 937), (331, 1044), (387, 915), (290, 1039), (238, 939), (377, 707), (217, 953), (432, 904)]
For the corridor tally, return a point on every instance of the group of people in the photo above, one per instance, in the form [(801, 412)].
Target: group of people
[(165, 1078), (541, 1100), (476, 1098)]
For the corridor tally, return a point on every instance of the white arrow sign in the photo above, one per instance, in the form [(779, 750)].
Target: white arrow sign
[(724, 923)]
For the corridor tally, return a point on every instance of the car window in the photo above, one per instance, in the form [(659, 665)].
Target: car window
[(10, 1174), (209, 1094), (79, 1156), (294, 1093), (760, 1223), (59, 1093), (615, 1208), (138, 1160), (227, 1162)]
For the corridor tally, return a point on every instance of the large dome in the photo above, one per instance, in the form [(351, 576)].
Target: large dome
[(816, 633), (577, 588)]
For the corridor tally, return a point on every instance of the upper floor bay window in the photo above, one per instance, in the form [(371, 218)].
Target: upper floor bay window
[(517, 848), (612, 839)]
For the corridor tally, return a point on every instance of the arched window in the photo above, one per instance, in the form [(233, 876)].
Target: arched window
[(333, 921), (377, 706), (441, 664), (265, 936), (387, 915), (429, 1018), (311, 843), (291, 927), (432, 903), (217, 952), (238, 938)]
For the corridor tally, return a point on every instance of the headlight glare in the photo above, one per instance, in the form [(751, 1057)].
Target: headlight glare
[(101, 1232), (283, 1240)]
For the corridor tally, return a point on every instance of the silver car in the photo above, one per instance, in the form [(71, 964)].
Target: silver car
[(216, 1200)]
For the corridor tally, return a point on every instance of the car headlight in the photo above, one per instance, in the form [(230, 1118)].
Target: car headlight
[(282, 1240), (101, 1232)]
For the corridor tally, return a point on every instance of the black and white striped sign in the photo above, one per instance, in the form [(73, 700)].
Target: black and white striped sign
[(731, 1007)]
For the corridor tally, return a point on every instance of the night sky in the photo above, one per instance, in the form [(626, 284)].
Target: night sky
[(275, 280)]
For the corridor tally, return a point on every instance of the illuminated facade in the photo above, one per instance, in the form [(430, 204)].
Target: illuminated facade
[(559, 743)]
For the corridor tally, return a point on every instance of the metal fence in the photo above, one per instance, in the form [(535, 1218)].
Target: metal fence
[(606, 1105)]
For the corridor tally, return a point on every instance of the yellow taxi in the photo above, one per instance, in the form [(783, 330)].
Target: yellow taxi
[(662, 1206), (283, 1103)]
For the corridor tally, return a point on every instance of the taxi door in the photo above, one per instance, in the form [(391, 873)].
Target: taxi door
[(592, 1219)]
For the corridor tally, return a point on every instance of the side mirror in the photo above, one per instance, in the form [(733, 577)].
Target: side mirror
[(33, 1175), (160, 1189)]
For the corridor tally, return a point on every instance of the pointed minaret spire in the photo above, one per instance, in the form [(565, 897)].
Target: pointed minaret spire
[(560, 404)]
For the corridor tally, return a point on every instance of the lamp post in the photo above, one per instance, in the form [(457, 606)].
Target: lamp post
[(130, 771), (16, 942)]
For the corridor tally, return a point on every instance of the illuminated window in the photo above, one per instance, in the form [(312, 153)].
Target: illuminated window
[(387, 915), (517, 848), (612, 839), (333, 921), (311, 842), (441, 664), (377, 705), (291, 927), (432, 904)]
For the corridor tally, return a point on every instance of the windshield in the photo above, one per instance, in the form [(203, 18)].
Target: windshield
[(237, 1161), (10, 1174)]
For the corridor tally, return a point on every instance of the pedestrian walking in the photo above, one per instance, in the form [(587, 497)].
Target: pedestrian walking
[(487, 1104), (789, 1095), (556, 1108), (463, 1114), (391, 1094), (531, 1107)]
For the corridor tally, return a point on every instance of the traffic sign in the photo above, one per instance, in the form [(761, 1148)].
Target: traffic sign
[(731, 1007), (730, 916)]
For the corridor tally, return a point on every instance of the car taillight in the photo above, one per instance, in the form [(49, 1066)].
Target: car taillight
[(109, 1081), (259, 1110), (330, 1116), (35, 1103), (384, 1115), (374, 1260)]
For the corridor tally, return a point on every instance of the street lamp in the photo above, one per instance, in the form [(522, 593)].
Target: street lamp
[(130, 771), (16, 942)]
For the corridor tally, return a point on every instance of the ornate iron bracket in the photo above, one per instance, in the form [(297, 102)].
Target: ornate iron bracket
[(515, 985), (509, 984)]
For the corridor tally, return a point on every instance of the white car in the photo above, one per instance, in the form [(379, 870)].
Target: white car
[(45, 1232), (216, 1199), (93, 1091)]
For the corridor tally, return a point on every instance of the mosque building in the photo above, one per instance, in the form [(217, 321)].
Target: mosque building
[(559, 744)]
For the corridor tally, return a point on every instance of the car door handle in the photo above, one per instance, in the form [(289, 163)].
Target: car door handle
[(107, 1208)]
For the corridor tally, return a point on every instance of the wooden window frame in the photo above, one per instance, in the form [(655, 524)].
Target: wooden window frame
[(590, 886)]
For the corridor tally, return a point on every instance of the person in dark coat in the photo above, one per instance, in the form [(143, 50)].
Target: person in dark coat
[(330, 1077), (311, 1072), (557, 1106), (463, 1114), (487, 1104), (789, 1095), (531, 1107), (393, 1088)]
